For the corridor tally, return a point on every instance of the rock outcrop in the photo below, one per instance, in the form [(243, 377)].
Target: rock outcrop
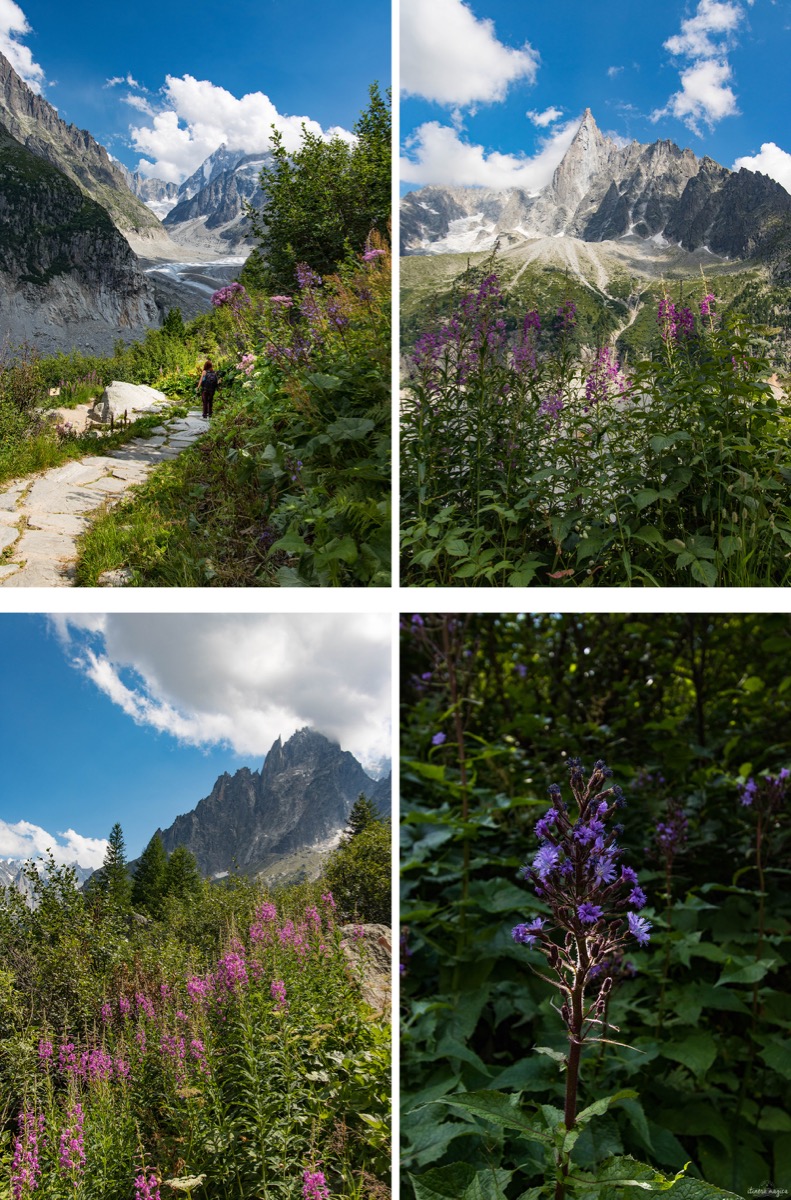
[(75, 153), (211, 210), (603, 191), (119, 398), (64, 265), (301, 797)]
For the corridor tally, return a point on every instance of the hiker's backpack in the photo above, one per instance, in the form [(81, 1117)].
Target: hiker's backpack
[(210, 383)]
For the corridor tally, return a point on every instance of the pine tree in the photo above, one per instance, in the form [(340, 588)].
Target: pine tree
[(363, 814), (182, 878), (148, 887), (115, 882)]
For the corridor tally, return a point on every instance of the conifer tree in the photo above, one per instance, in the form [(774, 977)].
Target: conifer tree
[(115, 882), (182, 878), (150, 879), (363, 814)]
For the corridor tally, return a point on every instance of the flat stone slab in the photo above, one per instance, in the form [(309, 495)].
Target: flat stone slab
[(57, 505), (8, 535)]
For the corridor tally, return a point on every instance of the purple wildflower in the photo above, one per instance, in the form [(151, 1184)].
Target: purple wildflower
[(25, 1166), (372, 255), (147, 1187), (526, 934), (589, 913), (306, 278), (72, 1147), (638, 927), (545, 861), (706, 303), (438, 739), (314, 1186), (748, 792), (637, 898)]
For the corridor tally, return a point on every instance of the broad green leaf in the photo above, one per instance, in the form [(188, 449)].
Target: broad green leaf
[(460, 1181), (600, 1106), (748, 973), (500, 1108), (777, 1056), (697, 1052), (644, 498), (775, 1120), (704, 572)]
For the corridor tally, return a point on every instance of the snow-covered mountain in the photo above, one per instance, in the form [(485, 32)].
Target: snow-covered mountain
[(12, 876), (210, 212), (605, 191)]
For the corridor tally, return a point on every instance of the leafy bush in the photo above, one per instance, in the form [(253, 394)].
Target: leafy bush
[(526, 462)]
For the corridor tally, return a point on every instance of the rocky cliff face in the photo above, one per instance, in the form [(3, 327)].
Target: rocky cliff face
[(301, 797), (36, 125), (601, 192), (66, 271)]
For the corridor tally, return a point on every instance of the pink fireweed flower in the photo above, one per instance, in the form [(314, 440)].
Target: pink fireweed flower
[(231, 972), (45, 1050), (372, 255), (706, 303), (314, 1186), (124, 1006), (140, 1038), (100, 1064), (606, 379), (68, 1062), (122, 1069), (282, 301), (327, 898), (200, 988), (144, 1005), (198, 1053), (107, 1013), (72, 1148), (147, 1188), (278, 993), (25, 1166)]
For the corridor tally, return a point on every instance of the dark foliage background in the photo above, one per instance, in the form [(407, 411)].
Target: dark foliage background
[(684, 708)]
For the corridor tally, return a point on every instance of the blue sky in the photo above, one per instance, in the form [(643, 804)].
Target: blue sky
[(132, 717), (493, 91), (310, 60)]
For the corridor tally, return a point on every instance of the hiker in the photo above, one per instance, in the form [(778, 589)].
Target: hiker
[(207, 386)]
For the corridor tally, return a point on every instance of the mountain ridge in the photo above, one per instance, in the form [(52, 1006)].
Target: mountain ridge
[(603, 191)]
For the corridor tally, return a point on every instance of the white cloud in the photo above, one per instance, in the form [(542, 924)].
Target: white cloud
[(127, 79), (450, 56), (242, 680), (547, 117), (439, 156), (140, 103), (24, 840), (771, 161), (706, 96), (613, 71), (196, 117), (13, 26)]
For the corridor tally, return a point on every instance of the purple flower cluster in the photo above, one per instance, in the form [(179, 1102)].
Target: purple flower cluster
[(671, 834), (25, 1165), (307, 278), (552, 407), (147, 1187), (706, 303), (233, 296), (314, 1186), (372, 255), (768, 788), (278, 993), (606, 379), (577, 873), (567, 316), (72, 1145), (673, 322)]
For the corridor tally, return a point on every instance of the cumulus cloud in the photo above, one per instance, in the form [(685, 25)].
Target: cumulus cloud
[(14, 26), (547, 117), (706, 96), (242, 680), (771, 161), (450, 56), (195, 117), (438, 155), (613, 71), (24, 840)]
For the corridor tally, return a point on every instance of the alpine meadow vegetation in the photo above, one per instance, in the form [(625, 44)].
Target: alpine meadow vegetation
[(532, 457), (620, 1024), (177, 1036)]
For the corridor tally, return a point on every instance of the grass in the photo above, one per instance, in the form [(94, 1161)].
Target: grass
[(44, 450), (189, 525)]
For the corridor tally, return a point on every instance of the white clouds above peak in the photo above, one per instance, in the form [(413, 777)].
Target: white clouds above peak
[(450, 56), (439, 155), (547, 117), (14, 26), (771, 161), (23, 840), (195, 117), (242, 680), (706, 95)]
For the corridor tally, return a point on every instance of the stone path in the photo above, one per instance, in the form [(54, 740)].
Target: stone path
[(42, 516)]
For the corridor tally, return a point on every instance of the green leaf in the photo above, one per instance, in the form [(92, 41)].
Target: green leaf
[(350, 429), (502, 1109), (600, 1106), (778, 1058), (460, 1181), (644, 498), (697, 1052), (753, 684), (751, 972), (704, 572), (292, 543), (775, 1120), (327, 383)]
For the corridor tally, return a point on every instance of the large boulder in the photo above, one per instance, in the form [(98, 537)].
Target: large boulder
[(368, 950), (119, 398)]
